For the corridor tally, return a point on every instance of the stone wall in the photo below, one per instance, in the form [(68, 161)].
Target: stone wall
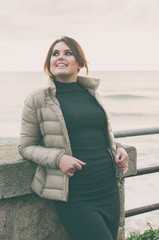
[(24, 215)]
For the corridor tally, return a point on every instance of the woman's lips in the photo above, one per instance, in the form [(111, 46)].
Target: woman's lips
[(61, 65)]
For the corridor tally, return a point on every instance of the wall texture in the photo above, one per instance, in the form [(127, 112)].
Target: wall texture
[(24, 215)]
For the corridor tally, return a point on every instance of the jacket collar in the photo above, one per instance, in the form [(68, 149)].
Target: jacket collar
[(87, 82)]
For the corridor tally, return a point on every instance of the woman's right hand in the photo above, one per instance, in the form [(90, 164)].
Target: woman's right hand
[(69, 165)]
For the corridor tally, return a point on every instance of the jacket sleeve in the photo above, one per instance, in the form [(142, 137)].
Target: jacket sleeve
[(119, 145), (30, 139)]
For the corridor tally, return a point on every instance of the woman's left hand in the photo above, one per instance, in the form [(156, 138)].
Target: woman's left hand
[(121, 158)]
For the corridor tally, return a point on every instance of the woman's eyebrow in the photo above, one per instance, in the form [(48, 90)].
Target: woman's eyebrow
[(56, 50), (68, 50)]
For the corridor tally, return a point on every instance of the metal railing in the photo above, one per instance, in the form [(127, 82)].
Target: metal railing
[(142, 171), (136, 132)]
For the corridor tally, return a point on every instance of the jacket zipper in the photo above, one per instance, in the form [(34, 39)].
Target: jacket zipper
[(54, 103)]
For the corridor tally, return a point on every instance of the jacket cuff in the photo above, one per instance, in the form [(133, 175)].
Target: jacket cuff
[(118, 145), (58, 159)]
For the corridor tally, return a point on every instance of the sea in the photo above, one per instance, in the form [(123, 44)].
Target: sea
[(132, 99)]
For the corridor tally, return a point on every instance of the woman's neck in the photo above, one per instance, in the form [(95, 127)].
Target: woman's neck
[(66, 79)]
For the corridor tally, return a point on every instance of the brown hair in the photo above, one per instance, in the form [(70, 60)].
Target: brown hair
[(76, 50)]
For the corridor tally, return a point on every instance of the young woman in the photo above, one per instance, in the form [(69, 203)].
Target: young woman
[(67, 132)]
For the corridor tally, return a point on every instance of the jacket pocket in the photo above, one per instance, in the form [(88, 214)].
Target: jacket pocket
[(55, 179), (39, 180)]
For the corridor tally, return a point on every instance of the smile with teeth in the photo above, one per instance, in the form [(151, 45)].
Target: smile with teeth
[(61, 65)]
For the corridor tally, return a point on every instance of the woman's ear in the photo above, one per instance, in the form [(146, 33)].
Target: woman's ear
[(79, 68)]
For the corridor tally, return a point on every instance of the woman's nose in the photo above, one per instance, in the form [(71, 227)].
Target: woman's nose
[(61, 56)]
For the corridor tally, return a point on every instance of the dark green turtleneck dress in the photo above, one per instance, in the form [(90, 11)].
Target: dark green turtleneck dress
[(92, 190)]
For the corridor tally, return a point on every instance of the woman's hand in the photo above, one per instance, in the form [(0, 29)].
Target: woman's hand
[(121, 158), (69, 165)]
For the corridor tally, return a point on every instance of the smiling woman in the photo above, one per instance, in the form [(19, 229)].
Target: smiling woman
[(66, 131), (63, 64), (65, 47)]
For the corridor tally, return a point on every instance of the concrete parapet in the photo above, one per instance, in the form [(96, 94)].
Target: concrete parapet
[(24, 215), (132, 169), (15, 173)]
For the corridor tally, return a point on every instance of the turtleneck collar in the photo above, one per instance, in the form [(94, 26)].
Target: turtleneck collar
[(67, 87), (87, 82)]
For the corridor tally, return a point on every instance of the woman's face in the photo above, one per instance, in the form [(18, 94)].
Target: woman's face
[(63, 64)]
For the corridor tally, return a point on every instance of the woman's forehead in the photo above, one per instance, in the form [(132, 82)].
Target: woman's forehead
[(61, 46)]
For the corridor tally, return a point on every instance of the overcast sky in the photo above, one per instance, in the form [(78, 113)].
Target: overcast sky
[(115, 34)]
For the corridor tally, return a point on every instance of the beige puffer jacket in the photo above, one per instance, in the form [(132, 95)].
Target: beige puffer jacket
[(44, 138)]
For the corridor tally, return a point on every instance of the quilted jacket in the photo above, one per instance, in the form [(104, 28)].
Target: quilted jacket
[(44, 138)]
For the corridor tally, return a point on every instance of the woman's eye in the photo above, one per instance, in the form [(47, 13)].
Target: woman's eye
[(68, 53), (55, 54)]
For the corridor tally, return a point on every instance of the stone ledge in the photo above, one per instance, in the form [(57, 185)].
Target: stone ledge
[(30, 217), (132, 168), (16, 173)]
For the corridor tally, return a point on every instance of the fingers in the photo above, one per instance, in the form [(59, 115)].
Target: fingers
[(123, 162), (123, 165), (121, 158), (117, 156), (81, 162), (78, 164), (71, 171), (69, 165), (69, 174)]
